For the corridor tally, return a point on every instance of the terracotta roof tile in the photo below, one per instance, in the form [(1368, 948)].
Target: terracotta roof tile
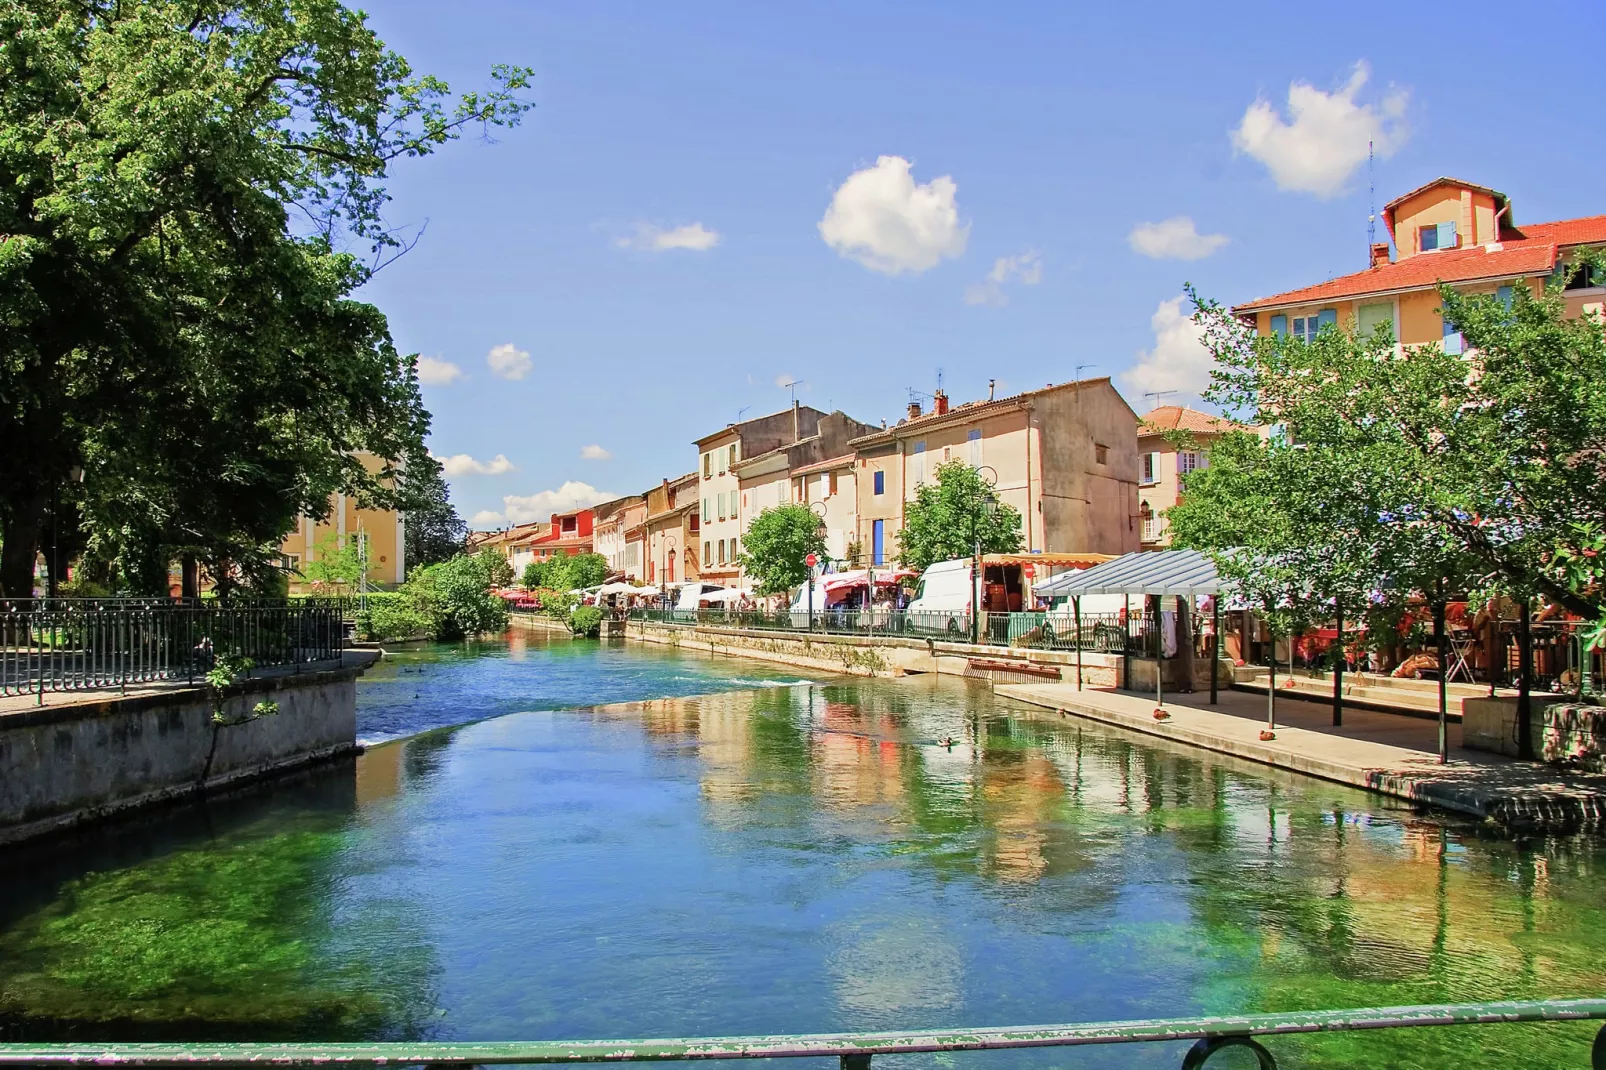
[(1179, 418), (1515, 258)]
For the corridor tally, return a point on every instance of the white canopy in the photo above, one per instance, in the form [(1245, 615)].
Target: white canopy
[(1185, 573), (625, 588), (729, 594)]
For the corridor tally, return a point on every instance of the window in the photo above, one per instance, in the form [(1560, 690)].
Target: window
[(1583, 279), (732, 452), (1187, 462), (722, 513), (707, 513), (1151, 468), (1147, 513), (1279, 326), (1307, 327), (693, 526), (1368, 318), (917, 467), (735, 549), (1101, 453), (1436, 236), (708, 466), (669, 568), (880, 481), (568, 524), (1452, 339), (878, 532), (832, 489), (708, 551), (973, 437), (722, 551)]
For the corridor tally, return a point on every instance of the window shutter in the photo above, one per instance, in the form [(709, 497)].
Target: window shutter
[(1503, 295), (1326, 316), (1279, 326), (1447, 235), (1452, 339)]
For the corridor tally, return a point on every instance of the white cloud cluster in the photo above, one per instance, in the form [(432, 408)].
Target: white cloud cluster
[(594, 452), (521, 509), (1176, 238), (461, 464), (880, 217), (1026, 269), (509, 361), (435, 372), (1179, 361), (658, 239), (1324, 140), (486, 518)]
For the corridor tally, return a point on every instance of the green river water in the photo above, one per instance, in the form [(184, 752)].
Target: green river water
[(552, 839)]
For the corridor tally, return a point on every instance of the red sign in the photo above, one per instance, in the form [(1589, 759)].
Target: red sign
[(811, 560), (1029, 570)]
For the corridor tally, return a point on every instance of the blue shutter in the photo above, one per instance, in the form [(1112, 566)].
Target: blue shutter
[(1447, 235), (880, 482), (1452, 339), (878, 532), (1503, 295), (1326, 316), (1279, 326)]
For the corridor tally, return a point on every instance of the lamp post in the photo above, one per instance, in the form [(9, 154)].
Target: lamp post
[(989, 508), (663, 576)]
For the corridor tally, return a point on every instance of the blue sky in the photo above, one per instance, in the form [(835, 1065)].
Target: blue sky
[(644, 259)]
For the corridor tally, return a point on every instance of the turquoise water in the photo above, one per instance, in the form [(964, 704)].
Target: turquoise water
[(555, 855)]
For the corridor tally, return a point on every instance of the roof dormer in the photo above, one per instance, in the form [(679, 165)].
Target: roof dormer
[(1447, 213)]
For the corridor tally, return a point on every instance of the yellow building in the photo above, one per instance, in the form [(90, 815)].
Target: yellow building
[(1162, 467), (1447, 231), (379, 533)]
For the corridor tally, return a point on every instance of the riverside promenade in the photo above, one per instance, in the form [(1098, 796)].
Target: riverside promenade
[(1387, 753)]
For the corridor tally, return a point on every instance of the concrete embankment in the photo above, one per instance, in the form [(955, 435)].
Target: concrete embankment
[(81, 757)]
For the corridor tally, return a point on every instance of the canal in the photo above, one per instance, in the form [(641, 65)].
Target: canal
[(556, 839)]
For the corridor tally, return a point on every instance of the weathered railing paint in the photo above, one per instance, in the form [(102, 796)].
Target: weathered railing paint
[(853, 1049)]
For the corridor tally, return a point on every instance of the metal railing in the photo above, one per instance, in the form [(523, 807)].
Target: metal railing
[(64, 644), (853, 1050), (1056, 630)]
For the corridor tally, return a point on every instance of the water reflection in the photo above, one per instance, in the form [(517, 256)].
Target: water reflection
[(863, 854)]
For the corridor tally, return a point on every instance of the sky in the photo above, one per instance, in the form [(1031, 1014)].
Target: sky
[(711, 201)]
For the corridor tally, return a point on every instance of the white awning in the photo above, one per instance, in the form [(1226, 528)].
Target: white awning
[(1184, 573)]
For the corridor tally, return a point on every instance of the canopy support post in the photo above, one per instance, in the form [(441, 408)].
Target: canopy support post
[(1076, 605), (1215, 644)]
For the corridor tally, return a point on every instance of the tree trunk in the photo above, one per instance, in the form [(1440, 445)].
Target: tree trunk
[(20, 551), (190, 577)]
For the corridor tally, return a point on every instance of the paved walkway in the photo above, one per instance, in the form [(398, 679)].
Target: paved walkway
[(1387, 753)]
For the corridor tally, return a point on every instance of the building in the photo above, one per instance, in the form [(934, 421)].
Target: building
[(608, 530), (633, 526), (1066, 457), (828, 488), (719, 488), (567, 534), (380, 536), (1447, 231), (1162, 467), (784, 475), (672, 529)]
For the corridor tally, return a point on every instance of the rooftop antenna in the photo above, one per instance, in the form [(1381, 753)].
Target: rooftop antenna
[(939, 380), (1371, 204), (1157, 395), (792, 387), (741, 410)]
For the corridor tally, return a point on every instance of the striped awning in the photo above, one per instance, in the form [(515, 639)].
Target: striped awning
[(1161, 572)]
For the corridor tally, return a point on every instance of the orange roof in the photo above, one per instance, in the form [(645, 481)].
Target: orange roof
[(1180, 418), (1505, 259), (1585, 231), (844, 461)]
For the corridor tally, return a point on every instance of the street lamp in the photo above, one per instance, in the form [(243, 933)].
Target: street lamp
[(989, 508), (663, 577)]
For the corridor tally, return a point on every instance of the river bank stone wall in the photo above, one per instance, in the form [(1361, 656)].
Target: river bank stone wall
[(81, 758)]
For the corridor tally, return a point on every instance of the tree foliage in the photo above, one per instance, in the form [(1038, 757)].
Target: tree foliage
[(432, 529), (189, 194), (1411, 473), (455, 599), (566, 572), (498, 571), (777, 544), (336, 563), (948, 517)]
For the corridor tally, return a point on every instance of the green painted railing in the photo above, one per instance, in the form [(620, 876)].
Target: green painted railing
[(853, 1049)]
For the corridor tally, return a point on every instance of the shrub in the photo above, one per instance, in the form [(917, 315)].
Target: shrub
[(454, 597), (391, 616), (586, 621)]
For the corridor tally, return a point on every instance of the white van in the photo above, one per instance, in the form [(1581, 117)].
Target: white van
[(943, 600), (693, 596)]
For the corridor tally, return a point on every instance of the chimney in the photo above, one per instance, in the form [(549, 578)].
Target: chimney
[(1380, 254), (939, 403), (914, 410), (992, 384), (797, 420)]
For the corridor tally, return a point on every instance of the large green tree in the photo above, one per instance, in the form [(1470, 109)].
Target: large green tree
[(1416, 471), (433, 530), (189, 195), (949, 517), (777, 545)]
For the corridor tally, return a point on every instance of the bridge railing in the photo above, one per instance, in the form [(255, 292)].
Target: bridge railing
[(92, 644), (853, 1050)]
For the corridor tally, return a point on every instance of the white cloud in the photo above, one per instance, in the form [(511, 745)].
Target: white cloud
[(1324, 142), (509, 361), (487, 518), (461, 464), (886, 222), (567, 498), (784, 381), (1174, 239), (1026, 269), (658, 239), (434, 372), (1179, 361), (594, 452)]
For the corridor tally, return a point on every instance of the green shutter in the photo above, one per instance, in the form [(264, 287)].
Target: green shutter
[(1368, 318)]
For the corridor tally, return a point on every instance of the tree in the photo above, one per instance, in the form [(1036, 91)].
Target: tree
[(184, 188), (776, 547), (455, 598), (1424, 471), (433, 530), (498, 572), (337, 562), (947, 518), (532, 577)]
